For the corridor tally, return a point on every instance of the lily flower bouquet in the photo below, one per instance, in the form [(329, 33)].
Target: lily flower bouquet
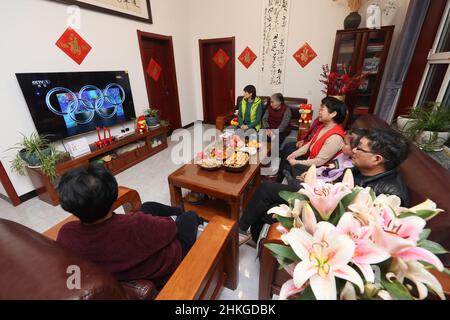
[(344, 242)]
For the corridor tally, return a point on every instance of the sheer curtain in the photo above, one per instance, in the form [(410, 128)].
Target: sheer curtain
[(402, 57)]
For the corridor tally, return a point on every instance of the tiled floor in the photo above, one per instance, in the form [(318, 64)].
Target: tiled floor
[(149, 178)]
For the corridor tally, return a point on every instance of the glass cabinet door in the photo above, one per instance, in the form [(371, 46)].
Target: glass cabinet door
[(371, 62), (346, 52)]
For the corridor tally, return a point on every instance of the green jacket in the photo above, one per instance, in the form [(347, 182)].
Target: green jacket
[(255, 113)]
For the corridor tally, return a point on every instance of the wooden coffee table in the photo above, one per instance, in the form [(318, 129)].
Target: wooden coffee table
[(230, 193)]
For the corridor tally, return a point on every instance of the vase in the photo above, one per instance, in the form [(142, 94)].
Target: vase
[(352, 21)]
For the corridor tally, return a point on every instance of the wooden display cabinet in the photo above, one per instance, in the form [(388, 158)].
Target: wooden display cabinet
[(151, 142), (364, 50)]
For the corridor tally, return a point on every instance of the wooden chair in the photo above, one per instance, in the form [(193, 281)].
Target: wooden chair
[(200, 275)]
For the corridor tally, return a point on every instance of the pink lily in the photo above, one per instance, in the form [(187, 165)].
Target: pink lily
[(325, 255), (366, 252), (399, 237), (324, 197)]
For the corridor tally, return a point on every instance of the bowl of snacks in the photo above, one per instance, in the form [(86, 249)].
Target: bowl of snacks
[(254, 144), (209, 164), (237, 162)]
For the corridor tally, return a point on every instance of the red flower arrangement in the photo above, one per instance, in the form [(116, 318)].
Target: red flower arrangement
[(338, 85)]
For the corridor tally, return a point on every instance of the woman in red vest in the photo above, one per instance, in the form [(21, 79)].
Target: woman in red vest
[(326, 143), (276, 119)]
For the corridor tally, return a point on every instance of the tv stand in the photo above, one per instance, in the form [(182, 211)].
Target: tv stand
[(150, 143)]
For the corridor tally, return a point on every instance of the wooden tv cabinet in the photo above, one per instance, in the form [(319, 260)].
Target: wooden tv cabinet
[(45, 187)]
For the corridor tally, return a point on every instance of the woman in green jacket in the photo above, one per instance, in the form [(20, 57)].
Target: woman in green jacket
[(250, 110)]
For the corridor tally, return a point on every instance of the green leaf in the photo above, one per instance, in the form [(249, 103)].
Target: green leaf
[(431, 246), (373, 195), (337, 214), (307, 294), (285, 222), (396, 289), (283, 251), (290, 197), (348, 199), (424, 235), (429, 266), (424, 214)]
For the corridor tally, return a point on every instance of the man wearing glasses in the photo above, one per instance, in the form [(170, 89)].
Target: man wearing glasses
[(375, 160)]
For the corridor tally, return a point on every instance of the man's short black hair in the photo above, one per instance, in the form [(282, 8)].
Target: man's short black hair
[(88, 193), (390, 144), (337, 105), (359, 133), (251, 89)]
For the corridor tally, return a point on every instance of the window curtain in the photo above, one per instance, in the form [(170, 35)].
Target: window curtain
[(401, 59)]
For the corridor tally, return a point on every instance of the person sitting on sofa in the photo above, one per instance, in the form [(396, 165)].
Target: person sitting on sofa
[(250, 110), (147, 244), (334, 169), (324, 146), (277, 116), (375, 159)]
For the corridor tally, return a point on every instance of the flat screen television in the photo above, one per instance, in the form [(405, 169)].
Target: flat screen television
[(71, 103)]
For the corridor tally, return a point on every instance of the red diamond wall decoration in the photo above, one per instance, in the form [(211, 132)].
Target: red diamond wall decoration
[(154, 69), (247, 57), (73, 45), (221, 58), (305, 55)]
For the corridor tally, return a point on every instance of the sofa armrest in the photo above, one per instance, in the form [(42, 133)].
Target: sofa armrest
[(202, 272), (223, 121)]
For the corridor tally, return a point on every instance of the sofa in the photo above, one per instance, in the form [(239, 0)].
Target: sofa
[(293, 103), (35, 267), (424, 177)]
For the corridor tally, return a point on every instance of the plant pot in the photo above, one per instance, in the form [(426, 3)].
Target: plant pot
[(432, 141), (404, 123), (352, 21), (152, 121), (32, 159)]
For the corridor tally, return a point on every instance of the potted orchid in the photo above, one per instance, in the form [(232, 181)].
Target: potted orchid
[(343, 242)]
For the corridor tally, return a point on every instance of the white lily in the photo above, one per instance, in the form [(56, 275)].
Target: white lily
[(324, 256), (416, 272), (426, 205), (285, 211)]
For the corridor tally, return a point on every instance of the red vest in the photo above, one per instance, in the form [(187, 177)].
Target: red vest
[(317, 145)]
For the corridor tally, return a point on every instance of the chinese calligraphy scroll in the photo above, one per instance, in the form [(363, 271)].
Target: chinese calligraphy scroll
[(275, 26)]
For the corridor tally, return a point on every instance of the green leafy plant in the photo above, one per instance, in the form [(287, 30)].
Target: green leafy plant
[(151, 112), (435, 118), (36, 150)]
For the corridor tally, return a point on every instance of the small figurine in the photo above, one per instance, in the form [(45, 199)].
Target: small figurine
[(141, 125), (306, 112), (234, 122)]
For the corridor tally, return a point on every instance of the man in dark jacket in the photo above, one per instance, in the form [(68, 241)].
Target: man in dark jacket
[(375, 158)]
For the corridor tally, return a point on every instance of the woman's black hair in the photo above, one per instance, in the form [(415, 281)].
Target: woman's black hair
[(88, 193), (390, 144), (279, 97), (337, 105), (359, 133), (251, 89)]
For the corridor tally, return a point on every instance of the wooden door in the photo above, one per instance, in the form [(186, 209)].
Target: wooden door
[(162, 91), (218, 82)]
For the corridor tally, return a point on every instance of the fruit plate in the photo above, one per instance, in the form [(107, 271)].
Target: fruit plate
[(209, 168)]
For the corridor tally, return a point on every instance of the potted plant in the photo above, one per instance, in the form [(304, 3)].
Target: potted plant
[(405, 121), (431, 130), (151, 116), (36, 151)]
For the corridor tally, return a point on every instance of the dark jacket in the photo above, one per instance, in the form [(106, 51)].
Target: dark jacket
[(389, 183)]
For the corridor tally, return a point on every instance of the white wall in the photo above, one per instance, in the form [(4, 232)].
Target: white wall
[(30, 28)]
